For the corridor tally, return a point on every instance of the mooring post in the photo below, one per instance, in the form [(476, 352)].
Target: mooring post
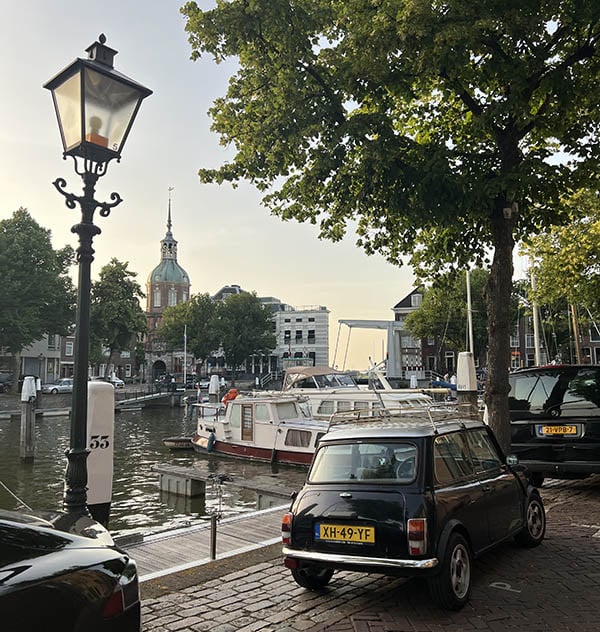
[(213, 536), (27, 442)]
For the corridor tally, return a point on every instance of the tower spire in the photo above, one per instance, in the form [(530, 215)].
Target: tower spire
[(169, 224)]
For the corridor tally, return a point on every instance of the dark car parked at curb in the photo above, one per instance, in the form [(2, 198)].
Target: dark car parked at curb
[(417, 495), (555, 420), (60, 572)]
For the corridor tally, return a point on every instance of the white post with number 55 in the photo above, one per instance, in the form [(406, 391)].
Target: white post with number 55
[(101, 431)]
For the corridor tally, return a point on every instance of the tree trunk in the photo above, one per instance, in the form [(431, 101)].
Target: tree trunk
[(498, 299)]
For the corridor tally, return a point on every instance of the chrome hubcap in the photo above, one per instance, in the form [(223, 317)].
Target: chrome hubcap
[(460, 571), (535, 520)]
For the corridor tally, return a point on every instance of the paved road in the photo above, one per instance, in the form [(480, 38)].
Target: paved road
[(553, 587)]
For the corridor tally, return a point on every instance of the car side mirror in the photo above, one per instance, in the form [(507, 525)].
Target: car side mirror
[(512, 460)]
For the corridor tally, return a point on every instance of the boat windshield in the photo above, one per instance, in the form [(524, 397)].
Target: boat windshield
[(335, 380), (288, 410)]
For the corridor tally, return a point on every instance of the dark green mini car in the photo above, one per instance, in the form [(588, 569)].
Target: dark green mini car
[(411, 496)]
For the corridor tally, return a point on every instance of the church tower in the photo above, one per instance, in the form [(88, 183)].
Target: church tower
[(167, 285)]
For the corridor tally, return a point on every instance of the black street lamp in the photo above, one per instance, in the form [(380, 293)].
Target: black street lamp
[(95, 106)]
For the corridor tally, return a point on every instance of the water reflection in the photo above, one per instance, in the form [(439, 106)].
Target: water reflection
[(138, 506)]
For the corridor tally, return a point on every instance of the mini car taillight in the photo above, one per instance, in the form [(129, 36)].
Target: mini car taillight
[(126, 593), (286, 527), (417, 536)]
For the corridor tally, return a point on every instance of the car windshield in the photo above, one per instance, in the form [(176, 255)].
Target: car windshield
[(383, 462)]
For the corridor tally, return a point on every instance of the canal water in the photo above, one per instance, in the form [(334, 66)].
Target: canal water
[(138, 506)]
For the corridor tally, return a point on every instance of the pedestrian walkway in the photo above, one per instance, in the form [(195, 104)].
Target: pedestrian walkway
[(552, 587), (178, 550)]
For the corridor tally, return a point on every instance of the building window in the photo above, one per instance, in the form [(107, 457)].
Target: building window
[(514, 341), (172, 297), (128, 370), (156, 298), (416, 300), (287, 320), (53, 342), (529, 341), (69, 348), (298, 320), (287, 336), (298, 335), (311, 336), (311, 320)]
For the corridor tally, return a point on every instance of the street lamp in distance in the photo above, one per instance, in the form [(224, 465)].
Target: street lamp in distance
[(95, 107)]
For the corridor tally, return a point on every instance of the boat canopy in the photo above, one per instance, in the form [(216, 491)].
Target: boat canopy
[(317, 377)]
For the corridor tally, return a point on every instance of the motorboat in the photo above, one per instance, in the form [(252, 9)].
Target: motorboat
[(264, 427), (330, 391)]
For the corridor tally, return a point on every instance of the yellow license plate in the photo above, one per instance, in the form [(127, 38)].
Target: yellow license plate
[(345, 533), (559, 430)]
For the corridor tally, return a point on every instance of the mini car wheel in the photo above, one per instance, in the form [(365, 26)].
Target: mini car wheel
[(311, 577), (54, 391), (450, 588), (534, 530)]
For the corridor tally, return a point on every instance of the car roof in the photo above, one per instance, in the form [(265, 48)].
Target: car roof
[(400, 426)]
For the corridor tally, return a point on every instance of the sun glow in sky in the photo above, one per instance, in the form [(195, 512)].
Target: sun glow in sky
[(224, 235)]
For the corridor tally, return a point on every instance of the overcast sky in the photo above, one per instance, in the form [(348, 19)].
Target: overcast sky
[(224, 235)]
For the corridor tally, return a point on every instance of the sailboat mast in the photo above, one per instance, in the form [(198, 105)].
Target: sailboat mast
[(469, 313), (536, 325)]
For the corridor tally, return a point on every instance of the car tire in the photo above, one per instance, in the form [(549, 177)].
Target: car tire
[(534, 530), (450, 588), (54, 391), (311, 577)]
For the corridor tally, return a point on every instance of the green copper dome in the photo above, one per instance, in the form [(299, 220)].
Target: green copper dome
[(169, 270)]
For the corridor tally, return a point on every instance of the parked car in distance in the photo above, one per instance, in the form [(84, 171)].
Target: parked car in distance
[(413, 495), (63, 385), (555, 420), (64, 573), (6, 382), (115, 381)]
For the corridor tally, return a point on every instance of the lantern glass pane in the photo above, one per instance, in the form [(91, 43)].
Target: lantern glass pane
[(109, 108), (67, 99)]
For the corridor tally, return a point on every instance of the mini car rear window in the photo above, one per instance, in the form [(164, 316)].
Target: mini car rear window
[(382, 462)]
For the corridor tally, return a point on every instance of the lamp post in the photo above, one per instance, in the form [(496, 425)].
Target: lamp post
[(95, 107)]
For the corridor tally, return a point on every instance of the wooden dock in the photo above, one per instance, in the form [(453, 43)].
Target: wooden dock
[(178, 550)]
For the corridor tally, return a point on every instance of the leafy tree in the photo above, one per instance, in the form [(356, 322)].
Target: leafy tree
[(566, 259), (428, 126), (245, 328), (117, 320), (36, 293), (443, 313), (199, 315)]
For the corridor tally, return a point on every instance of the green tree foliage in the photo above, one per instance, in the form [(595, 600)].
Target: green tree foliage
[(245, 328), (199, 315), (427, 125), (443, 313), (117, 320), (37, 295), (566, 259)]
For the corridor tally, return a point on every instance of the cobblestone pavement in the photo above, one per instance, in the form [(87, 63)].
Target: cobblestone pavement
[(555, 586)]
